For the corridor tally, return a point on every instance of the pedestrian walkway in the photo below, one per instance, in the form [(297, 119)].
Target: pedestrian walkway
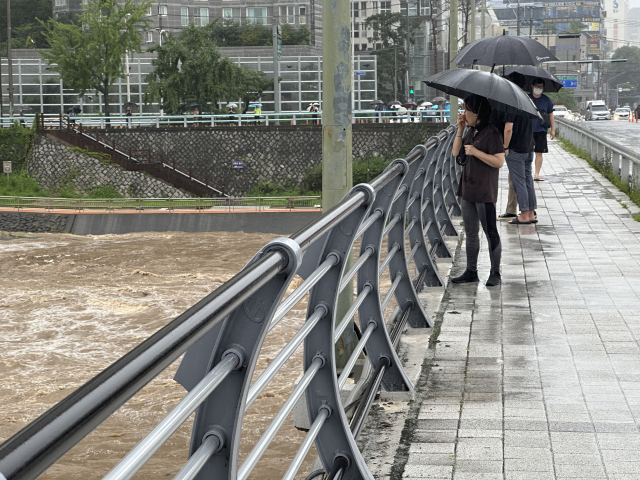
[(540, 378)]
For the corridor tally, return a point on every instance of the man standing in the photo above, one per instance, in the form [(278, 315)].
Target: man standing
[(545, 105)]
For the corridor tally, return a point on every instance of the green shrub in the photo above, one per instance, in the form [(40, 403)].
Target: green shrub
[(15, 145), (21, 185), (104, 191)]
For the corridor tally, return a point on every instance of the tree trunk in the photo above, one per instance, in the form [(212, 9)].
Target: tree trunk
[(434, 34)]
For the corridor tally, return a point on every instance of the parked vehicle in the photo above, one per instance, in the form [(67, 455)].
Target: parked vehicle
[(560, 111), (597, 110), (621, 114)]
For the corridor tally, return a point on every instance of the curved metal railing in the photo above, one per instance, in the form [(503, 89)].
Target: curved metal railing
[(222, 335)]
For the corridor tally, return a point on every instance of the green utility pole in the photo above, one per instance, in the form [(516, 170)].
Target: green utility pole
[(277, 57), (453, 50), (336, 131)]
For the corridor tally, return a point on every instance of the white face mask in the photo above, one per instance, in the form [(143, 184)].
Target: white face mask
[(537, 91)]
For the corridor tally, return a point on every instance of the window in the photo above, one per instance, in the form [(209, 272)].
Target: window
[(204, 17), (184, 16), (257, 16), (356, 12), (61, 3), (425, 11), (374, 6), (149, 37), (363, 6), (150, 12), (231, 14), (287, 14), (303, 16), (385, 7), (363, 47), (162, 10), (356, 34)]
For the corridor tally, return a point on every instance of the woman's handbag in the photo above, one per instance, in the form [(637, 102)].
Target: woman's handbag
[(546, 121)]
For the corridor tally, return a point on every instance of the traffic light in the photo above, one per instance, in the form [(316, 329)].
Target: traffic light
[(411, 90)]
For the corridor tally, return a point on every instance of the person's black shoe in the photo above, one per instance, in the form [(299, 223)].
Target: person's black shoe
[(466, 277), (507, 215), (494, 279)]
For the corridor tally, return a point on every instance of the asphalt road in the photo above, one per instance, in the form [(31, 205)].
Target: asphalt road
[(625, 133)]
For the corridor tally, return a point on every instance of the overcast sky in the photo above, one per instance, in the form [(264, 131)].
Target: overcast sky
[(634, 3)]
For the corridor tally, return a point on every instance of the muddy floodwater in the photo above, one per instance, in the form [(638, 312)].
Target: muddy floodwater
[(70, 306)]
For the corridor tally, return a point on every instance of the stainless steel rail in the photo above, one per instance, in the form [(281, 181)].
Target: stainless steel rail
[(222, 336)]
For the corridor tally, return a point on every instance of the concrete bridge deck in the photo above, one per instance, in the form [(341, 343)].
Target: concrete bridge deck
[(540, 378)]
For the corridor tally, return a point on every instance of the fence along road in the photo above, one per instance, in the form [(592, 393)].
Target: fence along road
[(223, 333)]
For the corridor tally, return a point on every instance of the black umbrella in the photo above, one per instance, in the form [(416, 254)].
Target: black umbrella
[(530, 73), (501, 93), (192, 105), (504, 50), (75, 110), (377, 102), (410, 104)]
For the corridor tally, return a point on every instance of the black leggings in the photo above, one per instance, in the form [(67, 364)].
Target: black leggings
[(474, 214)]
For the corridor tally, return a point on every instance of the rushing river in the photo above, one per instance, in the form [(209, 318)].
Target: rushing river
[(70, 306)]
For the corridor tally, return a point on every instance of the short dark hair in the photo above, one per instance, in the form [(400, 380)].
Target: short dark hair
[(536, 81), (480, 106)]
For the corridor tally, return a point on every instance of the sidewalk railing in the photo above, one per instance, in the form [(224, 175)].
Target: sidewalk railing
[(624, 162), (229, 204), (407, 208), (247, 119)]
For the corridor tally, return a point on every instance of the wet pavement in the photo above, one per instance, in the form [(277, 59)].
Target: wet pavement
[(624, 133), (540, 378)]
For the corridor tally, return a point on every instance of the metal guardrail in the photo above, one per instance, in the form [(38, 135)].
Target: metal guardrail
[(247, 119), (222, 335), (228, 204), (625, 163)]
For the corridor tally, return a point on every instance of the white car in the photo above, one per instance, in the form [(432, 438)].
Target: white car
[(560, 111), (621, 114)]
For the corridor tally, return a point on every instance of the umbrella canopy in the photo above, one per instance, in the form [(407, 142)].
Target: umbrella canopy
[(395, 106), (21, 107), (410, 104), (192, 105), (253, 105), (232, 105), (74, 110), (377, 102), (438, 100), (501, 93), (530, 73), (504, 50), (426, 104), (395, 102)]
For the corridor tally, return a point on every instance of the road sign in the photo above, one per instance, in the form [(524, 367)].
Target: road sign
[(360, 73), (237, 164), (568, 81), (6, 168)]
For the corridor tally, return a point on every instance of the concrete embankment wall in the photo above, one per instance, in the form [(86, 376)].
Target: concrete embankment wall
[(120, 223), (277, 154)]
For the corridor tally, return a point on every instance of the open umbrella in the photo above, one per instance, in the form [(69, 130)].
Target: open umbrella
[(438, 99), (501, 93), (74, 110), (192, 105), (395, 102), (410, 104), (377, 102), (232, 105), (18, 108), (504, 50), (530, 73), (254, 105), (426, 104)]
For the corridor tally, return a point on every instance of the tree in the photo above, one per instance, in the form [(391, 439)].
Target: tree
[(390, 30), (189, 68), (576, 27), (436, 9), (563, 97), (228, 33), (466, 9), (631, 70), (93, 57), (26, 32)]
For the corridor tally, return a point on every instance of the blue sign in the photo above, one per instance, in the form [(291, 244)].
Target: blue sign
[(569, 83), (237, 164), (360, 73)]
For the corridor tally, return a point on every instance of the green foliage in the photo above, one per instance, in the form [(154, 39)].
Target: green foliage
[(631, 74), (90, 55), (15, 145), (189, 68), (576, 27), (228, 33), (103, 157), (104, 191), (312, 182), (390, 30), (25, 30), (21, 185), (564, 97)]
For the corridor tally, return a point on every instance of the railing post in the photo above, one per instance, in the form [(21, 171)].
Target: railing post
[(294, 119), (239, 119), (102, 123), (440, 205), (157, 122), (184, 119)]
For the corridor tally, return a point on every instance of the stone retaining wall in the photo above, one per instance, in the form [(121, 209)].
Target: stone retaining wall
[(278, 154), (33, 222), (53, 166)]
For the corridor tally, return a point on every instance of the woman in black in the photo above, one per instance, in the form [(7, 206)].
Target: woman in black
[(482, 156)]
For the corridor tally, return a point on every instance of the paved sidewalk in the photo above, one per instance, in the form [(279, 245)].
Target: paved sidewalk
[(540, 378)]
